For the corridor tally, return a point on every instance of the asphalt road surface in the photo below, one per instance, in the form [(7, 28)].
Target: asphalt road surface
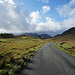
[(50, 60)]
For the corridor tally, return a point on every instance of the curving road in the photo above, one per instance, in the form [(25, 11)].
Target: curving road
[(50, 60)]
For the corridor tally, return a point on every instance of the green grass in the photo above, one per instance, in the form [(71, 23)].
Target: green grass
[(69, 37), (15, 53), (68, 47)]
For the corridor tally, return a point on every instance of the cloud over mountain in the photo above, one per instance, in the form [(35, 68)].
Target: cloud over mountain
[(14, 18)]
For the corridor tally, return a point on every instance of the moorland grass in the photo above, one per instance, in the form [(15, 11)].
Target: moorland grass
[(15, 53), (67, 46)]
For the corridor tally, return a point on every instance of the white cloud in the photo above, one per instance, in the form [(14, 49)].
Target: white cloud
[(12, 19), (67, 11), (35, 16), (68, 23), (7, 1), (46, 9), (49, 25), (1, 1), (44, 1), (10, 1), (72, 2)]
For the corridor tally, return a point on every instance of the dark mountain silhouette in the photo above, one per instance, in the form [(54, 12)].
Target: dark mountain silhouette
[(45, 36), (36, 35), (57, 35), (31, 34), (66, 35), (69, 31), (22, 36)]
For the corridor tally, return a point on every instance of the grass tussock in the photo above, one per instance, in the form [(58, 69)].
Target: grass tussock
[(15, 53), (67, 46)]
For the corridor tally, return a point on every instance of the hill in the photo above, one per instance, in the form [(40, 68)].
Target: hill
[(69, 31), (36, 35), (45, 36), (22, 36), (31, 34), (68, 35), (57, 35)]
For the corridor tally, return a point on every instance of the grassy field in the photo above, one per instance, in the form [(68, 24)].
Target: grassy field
[(15, 53), (67, 46), (70, 38)]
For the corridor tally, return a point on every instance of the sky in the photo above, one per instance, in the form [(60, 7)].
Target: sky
[(20, 16)]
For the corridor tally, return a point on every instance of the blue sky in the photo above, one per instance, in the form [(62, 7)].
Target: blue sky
[(35, 5), (18, 16)]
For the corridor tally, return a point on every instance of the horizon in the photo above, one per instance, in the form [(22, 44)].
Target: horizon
[(36, 16), (39, 33)]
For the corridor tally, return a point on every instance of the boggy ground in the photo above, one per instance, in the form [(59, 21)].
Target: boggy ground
[(15, 53)]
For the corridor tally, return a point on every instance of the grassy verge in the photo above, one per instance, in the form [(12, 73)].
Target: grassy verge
[(68, 47), (15, 53)]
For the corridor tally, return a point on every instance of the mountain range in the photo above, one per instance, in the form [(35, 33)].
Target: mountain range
[(70, 33), (37, 35)]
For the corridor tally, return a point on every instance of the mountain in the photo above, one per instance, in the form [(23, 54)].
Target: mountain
[(66, 35), (31, 34), (51, 33), (45, 36), (22, 36), (36, 35), (69, 31), (57, 35)]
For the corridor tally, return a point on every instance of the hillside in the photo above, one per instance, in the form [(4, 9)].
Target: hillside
[(68, 35), (31, 34), (70, 31), (36, 35), (22, 36), (45, 36)]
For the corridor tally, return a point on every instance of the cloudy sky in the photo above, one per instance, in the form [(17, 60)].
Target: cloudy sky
[(19, 16)]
